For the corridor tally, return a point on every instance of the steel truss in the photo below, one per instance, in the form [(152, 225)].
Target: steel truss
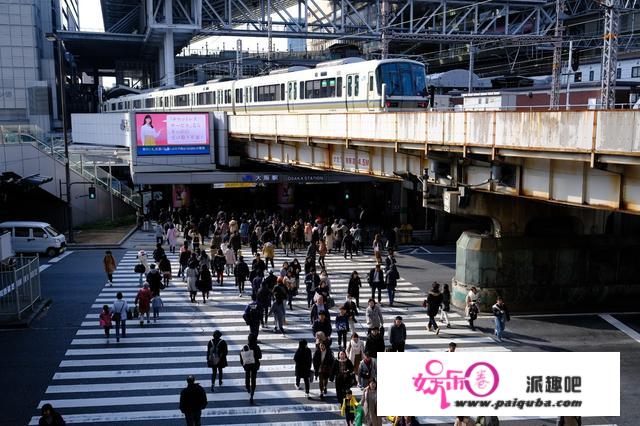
[(450, 21)]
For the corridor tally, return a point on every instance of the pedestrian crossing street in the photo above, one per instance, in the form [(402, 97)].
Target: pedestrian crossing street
[(138, 380)]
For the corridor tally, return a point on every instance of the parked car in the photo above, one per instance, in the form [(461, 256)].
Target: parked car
[(34, 237)]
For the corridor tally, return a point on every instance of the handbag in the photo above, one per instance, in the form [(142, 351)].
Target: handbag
[(248, 358), (129, 314), (139, 268)]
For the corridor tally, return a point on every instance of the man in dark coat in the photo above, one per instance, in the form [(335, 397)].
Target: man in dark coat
[(432, 303), (376, 281), (252, 314), (375, 343), (258, 266), (193, 400), (154, 278), (241, 272), (235, 241), (323, 323), (397, 335)]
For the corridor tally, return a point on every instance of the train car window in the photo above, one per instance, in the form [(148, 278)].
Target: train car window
[(273, 92), (181, 100), (302, 90), (113, 107), (160, 103), (371, 83), (119, 105), (339, 87), (356, 85), (295, 90), (308, 90), (166, 101), (137, 104), (150, 103), (282, 91), (349, 86), (239, 96)]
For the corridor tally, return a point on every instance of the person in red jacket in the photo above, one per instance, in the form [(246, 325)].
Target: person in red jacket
[(143, 301)]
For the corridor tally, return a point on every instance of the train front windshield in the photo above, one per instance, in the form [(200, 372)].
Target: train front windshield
[(402, 79)]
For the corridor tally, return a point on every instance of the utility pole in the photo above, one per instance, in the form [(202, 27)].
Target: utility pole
[(53, 37), (471, 66), (554, 98), (269, 36), (569, 75), (384, 23), (609, 53), (239, 59)]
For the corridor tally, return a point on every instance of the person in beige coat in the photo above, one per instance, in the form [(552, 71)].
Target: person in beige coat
[(369, 403)]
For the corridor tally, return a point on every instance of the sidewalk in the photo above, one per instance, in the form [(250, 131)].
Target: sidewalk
[(101, 238)]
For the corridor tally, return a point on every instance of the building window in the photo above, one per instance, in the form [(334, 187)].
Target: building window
[(619, 73), (577, 77), (635, 72), (591, 75)]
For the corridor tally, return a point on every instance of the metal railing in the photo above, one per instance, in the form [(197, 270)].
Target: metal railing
[(19, 287), (54, 147)]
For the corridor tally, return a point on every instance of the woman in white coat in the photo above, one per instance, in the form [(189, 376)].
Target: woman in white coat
[(192, 279), (172, 238), (142, 258), (328, 239), (355, 349)]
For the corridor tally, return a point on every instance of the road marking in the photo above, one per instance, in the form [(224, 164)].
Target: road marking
[(59, 258), (582, 314), (43, 267), (621, 326), (105, 383)]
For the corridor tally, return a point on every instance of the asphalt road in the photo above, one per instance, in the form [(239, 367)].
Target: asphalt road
[(31, 356), (547, 333)]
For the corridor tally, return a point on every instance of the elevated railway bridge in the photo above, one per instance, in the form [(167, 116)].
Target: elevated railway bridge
[(558, 191)]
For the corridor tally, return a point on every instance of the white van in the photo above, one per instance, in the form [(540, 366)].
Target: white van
[(34, 237)]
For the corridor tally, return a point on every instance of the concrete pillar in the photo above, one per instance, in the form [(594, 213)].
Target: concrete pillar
[(169, 66)]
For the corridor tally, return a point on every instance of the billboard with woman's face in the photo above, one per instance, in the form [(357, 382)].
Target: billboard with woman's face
[(168, 134)]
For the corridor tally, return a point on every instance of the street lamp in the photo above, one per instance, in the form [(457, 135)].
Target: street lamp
[(53, 37)]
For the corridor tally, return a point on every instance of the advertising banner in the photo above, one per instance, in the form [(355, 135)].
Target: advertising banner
[(181, 195), (171, 134), (499, 384)]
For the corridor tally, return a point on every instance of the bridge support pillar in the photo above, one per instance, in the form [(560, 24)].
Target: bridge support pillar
[(541, 256), (169, 66), (559, 274)]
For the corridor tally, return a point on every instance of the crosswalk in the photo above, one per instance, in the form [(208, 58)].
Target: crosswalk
[(138, 380)]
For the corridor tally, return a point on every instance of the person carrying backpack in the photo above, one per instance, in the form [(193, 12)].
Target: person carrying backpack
[(217, 351), (250, 357)]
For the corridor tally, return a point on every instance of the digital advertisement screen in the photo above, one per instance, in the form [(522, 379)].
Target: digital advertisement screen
[(171, 134)]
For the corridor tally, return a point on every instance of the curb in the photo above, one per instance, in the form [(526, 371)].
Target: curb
[(24, 323)]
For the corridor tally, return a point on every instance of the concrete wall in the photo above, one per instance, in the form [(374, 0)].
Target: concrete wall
[(549, 273), (26, 160)]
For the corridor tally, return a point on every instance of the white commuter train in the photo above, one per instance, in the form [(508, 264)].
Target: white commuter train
[(351, 84)]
